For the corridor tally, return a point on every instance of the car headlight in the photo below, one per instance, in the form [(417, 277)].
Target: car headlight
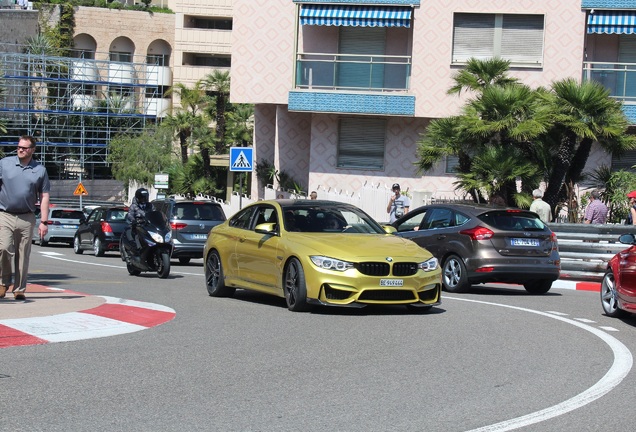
[(330, 263), (156, 236), (168, 237), (429, 265)]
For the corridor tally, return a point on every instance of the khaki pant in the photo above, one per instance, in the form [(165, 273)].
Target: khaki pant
[(16, 233)]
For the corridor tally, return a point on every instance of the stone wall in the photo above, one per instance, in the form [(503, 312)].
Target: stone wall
[(16, 26)]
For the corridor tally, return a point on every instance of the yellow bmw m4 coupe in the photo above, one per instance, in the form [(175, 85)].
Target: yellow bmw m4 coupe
[(314, 252)]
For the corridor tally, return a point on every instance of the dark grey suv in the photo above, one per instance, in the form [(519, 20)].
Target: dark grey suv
[(479, 244), (190, 222)]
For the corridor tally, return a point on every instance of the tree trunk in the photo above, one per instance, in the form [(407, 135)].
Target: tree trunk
[(579, 160), (183, 141), (561, 166)]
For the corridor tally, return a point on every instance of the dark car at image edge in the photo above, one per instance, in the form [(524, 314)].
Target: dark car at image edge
[(101, 230), (482, 244)]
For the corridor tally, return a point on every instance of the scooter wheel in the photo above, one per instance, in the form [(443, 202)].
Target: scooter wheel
[(164, 265), (132, 271)]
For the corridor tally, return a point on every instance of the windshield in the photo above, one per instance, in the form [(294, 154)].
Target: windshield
[(157, 219), (329, 219)]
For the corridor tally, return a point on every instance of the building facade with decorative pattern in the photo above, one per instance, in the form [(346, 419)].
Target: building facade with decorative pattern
[(344, 89)]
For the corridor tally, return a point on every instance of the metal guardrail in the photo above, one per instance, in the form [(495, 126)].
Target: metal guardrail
[(586, 249)]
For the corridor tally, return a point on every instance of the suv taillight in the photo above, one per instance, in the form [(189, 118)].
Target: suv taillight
[(106, 227), (555, 243), (177, 225), (478, 233)]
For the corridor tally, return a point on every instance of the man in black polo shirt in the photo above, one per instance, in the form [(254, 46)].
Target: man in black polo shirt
[(22, 182)]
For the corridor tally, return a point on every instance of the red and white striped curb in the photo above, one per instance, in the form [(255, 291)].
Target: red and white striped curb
[(579, 286), (116, 316)]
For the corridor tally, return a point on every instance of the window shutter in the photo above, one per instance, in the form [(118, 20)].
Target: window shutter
[(361, 143), (473, 36), (358, 72), (522, 38)]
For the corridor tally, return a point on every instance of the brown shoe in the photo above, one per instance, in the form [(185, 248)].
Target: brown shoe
[(19, 295), (3, 291)]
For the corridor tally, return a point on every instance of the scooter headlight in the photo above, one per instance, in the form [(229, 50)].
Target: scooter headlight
[(168, 237), (156, 237)]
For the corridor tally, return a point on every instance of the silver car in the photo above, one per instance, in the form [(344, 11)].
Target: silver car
[(62, 223)]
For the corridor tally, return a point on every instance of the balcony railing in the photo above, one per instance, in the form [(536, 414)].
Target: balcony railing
[(618, 78), (377, 73)]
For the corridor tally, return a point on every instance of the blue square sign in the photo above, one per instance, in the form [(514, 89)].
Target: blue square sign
[(242, 159)]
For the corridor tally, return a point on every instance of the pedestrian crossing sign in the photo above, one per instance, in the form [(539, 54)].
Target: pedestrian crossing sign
[(242, 159)]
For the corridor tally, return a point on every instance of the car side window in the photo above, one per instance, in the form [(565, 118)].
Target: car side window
[(413, 222), (438, 218), (242, 218), (461, 219), (93, 216), (265, 214)]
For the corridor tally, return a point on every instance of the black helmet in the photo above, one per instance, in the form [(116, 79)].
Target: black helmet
[(142, 195), (396, 186)]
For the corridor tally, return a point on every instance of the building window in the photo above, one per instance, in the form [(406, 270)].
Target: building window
[(514, 37), (199, 22), (211, 60), (158, 59), (361, 143), (451, 164), (124, 57)]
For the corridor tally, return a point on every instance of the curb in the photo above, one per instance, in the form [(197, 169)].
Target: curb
[(579, 286), (114, 316)]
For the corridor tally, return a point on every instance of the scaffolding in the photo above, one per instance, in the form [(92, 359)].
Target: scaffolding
[(75, 105)]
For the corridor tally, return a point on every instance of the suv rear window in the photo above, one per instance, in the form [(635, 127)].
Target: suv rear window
[(513, 221), (116, 215), (67, 214), (198, 211)]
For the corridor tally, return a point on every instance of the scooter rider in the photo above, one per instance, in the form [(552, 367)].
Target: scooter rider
[(140, 205)]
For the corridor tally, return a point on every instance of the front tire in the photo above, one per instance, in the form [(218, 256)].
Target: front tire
[(164, 265), (98, 248), (609, 296), (538, 287), (132, 270), (214, 279), (454, 278), (77, 247), (295, 287)]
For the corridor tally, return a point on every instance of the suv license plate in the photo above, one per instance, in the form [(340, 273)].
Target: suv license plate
[(391, 282), (199, 236), (524, 242)]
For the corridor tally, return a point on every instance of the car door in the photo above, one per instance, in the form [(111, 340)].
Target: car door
[(257, 253), (93, 227), (627, 270)]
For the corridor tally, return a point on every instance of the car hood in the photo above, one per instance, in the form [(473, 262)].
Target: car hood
[(358, 247)]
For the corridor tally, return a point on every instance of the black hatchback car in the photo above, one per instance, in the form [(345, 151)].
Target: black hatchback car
[(479, 244), (101, 231), (191, 221)]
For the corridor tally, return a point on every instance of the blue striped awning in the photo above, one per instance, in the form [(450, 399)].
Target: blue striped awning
[(617, 22), (355, 16)]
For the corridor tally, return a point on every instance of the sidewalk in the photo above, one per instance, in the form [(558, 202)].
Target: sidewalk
[(57, 315)]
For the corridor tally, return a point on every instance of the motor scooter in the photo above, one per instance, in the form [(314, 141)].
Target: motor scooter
[(151, 247)]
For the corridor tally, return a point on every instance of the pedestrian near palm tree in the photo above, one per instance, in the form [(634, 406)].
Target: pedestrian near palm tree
[(596, 211), (540, 207)]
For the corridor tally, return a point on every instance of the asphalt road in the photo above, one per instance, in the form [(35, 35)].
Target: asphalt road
[(492, 359)]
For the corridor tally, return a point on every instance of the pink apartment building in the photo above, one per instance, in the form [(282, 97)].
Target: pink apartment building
[(343, 89)]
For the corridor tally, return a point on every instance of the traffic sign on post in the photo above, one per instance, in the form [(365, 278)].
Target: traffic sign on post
[(242, 159), (80, 190)]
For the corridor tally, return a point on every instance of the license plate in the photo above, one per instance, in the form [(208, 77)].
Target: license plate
[(69, 226), (524, 242), (199, 236), (391, 282)]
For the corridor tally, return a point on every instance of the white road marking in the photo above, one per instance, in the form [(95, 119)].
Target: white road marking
[(585, 320), (55, 328), (139, 304), (606, 328), (621, 366), (53, 256), (557, 313)]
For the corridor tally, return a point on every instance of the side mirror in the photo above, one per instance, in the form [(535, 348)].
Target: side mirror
[(627, 239), (389, 229), (266, 228)]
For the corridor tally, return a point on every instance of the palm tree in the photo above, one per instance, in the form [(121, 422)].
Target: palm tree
[(240, 124), (480, 74), (582, 113), (218, 82)]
